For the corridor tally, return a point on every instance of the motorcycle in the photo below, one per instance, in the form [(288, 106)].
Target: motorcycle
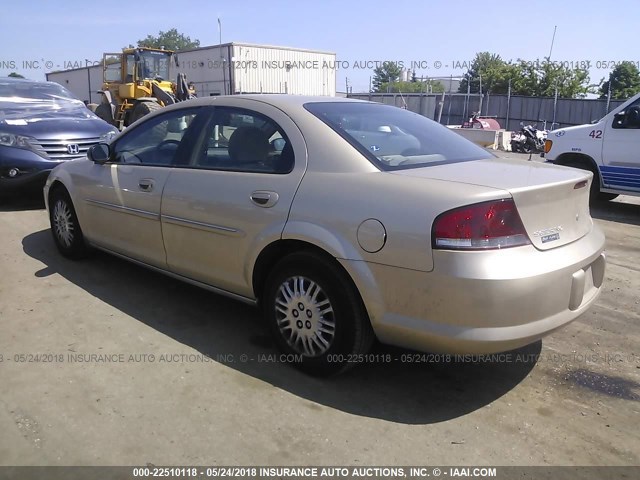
[(528, 140)]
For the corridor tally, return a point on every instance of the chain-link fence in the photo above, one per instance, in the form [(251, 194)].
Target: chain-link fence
[(451, 108)]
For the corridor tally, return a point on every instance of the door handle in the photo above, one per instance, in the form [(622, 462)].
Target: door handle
[(264, 199), (145, 184)]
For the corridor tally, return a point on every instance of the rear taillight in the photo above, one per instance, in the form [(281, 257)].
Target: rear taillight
[(494, 224)]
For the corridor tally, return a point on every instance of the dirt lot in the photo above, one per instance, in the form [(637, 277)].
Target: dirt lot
[(576, 401)]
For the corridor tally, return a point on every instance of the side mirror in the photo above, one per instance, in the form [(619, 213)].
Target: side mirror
[(99, 153), (633, 117), (619, 119), (629, 118)]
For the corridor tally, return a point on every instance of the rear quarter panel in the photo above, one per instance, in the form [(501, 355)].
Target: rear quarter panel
[(329, 207)]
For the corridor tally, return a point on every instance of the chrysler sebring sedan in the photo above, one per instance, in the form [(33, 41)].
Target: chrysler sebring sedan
[(345, 221)]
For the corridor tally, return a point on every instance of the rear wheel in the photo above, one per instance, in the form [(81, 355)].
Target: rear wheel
[(316, 314), (141, 109), (104, 112), (65, 227)]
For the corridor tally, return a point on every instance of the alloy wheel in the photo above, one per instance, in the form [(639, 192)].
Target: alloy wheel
[(305, 316), (63, 223)]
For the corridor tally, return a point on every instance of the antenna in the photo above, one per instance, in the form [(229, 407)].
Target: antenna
[(552, 40)]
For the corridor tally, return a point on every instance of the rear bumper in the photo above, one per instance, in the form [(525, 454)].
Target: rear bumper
[(486, 302)]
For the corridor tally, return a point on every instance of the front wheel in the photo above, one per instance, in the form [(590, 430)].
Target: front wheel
[(316, 314), (141, 109), (65, 227)]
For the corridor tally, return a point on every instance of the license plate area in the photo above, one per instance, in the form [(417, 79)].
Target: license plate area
[(586, 282)]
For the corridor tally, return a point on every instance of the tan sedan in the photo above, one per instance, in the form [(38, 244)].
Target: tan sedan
[(344, 220)]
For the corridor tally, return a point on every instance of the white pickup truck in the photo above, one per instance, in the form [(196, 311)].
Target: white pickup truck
[(610, 148)]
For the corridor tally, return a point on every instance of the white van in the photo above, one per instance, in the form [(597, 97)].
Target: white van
[(610, 148)]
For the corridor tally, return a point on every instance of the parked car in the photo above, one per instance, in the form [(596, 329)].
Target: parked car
[(42, 125), (343, 220)]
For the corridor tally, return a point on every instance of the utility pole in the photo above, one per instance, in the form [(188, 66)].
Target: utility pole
[(508, 105), (224, 68), (481, 97), (555, 106), (450, 99)]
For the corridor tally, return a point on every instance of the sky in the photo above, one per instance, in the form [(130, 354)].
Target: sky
[(35, 34)]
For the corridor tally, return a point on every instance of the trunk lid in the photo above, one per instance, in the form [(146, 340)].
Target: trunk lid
[(553, 201)]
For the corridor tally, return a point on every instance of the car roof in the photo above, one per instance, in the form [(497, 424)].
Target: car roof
[(24, 80), (276, 99)]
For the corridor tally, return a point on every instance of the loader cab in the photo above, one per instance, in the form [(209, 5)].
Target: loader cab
[(112, 68), (135, 65), (152, 64)]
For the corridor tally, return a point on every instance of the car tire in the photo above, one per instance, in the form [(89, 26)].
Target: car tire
[(316, 314), (595, 195), (65, 227)]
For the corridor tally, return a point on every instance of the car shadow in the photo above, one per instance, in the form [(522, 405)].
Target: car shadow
[(619, 212), (28, 201), (409, 389)]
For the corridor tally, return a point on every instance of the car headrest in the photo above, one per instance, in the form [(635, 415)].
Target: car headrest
[(248, 145)]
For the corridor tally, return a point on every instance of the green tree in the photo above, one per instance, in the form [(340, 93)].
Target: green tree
[(570, 82), (624, 80), (15, 75), (491, 70), (388, 72), (539, 78), (530, 78), (412, 87), (169, 40)]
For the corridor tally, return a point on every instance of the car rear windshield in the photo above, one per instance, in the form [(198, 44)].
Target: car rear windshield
[(393, 138)]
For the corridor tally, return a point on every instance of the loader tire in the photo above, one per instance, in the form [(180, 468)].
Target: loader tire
[(141, 109), (104, 112)]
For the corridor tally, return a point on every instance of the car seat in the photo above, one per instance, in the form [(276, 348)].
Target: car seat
[(248, 148)]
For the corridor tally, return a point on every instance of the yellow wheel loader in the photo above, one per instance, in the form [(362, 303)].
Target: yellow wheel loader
[(136, 82)]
